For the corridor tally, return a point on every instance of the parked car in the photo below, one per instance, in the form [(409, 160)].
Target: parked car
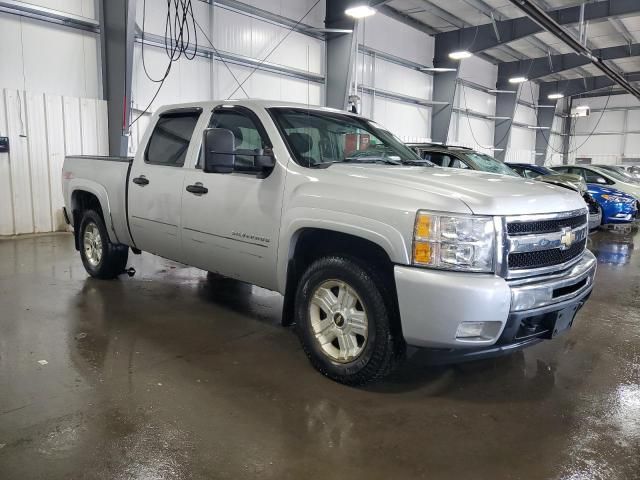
[(603, 177), (617, 206), (373, 248), (466, 158), (630, 175), (573, 182), (451, 156)]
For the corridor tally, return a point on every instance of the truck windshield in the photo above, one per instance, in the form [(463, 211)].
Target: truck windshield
[(489, 164), (319, 139)]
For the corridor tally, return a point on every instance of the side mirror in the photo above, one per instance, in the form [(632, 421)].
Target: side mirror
[(219, 147)]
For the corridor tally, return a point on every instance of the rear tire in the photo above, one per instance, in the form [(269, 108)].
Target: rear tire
[(346, 319), (101, 258)]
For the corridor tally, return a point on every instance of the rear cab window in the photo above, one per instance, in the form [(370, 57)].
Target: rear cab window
[(171, 137)]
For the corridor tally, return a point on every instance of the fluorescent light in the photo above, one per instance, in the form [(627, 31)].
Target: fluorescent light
[(493, 117), (460, 55), (360, 11), (582, 107), (437, 69), (532, 127), (501, 91), (518, 79), (555, 96)]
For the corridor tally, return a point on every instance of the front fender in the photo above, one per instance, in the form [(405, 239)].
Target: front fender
[(296, 220)]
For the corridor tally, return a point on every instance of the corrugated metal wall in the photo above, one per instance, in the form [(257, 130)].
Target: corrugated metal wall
[(42, 129)]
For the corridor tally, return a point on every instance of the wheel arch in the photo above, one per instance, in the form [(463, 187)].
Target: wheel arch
[(312, 242), (90, 197)]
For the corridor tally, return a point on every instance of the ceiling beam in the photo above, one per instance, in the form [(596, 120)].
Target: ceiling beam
[(578, 86), (542, 18), (539, 67), (480, 38), (406, 19)]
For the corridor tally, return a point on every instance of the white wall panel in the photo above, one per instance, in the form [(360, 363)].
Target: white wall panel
[(38, 162), (472, 132), (597, 145), (42, 57), (411, 123), (476, 100), (82, 8), (55, 149), (255, 38), (294, 9), (396, 78), (41, 130), (390, 36), (632, 148), (522, 139), (525, 115), (6, 197), (601, 121), (479, 71), (19, 161)]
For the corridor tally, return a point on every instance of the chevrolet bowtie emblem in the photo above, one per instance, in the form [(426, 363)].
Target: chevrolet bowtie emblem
[(567, 238)]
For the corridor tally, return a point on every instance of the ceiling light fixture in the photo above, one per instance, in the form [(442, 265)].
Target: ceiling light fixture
[(494, 90), (360, 11), (437, 69), (555, 96), (583, 107), (518, 79), (460, 55)]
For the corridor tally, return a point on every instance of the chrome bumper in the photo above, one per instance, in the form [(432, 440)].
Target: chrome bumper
[(434, 303)]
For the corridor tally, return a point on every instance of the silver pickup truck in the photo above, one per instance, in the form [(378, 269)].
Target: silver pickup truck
[(373, 248)]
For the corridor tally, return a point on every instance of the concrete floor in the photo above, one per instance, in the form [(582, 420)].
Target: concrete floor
[(169, 375)]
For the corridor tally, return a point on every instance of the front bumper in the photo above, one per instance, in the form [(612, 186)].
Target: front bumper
[(433, 304), (619, 212)]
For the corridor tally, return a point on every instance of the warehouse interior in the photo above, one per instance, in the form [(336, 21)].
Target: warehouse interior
[(172, 372)]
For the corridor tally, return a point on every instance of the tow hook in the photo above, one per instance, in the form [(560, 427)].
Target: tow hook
[(130, 271)]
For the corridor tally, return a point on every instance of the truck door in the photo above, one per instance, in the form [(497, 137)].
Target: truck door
[(232, 229), (156, 182)]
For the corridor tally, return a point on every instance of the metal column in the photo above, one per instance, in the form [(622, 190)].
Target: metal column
[(117, 24)]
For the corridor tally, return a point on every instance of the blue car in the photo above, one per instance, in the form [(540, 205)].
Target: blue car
[(616, 206)]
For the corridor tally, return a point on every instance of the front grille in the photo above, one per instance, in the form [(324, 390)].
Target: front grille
[(545, 226), (545, 258)]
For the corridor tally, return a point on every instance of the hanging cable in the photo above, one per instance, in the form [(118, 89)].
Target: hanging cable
[(179, 28)]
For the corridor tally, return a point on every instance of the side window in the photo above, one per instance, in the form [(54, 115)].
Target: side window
[(531, 174), (170, 139), (457, 163), (593, 177), (249, 136), (440, 159)]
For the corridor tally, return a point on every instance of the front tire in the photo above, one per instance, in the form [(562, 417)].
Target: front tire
[(345, 319), (101, 258)]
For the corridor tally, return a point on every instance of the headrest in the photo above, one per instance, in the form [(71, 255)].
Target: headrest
[(301, 142)]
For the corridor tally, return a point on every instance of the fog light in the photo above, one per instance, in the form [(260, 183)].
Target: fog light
[(478, 331)]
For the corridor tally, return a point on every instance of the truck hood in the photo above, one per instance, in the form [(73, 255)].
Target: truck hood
[(483, 193)]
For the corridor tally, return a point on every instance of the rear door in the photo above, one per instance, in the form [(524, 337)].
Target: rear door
[(156, 181), (233, 228)]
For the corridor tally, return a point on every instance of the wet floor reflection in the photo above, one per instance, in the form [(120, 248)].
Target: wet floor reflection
[(177, 374)]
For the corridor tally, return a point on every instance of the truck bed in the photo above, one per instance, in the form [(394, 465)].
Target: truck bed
[(107, 178)]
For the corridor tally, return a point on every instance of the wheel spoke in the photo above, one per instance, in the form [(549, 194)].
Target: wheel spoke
[(348, 345), (358, 322), (346, 297), (325, 300)]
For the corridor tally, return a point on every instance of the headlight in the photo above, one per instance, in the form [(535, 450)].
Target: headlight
[(459, 242), (616, 198)]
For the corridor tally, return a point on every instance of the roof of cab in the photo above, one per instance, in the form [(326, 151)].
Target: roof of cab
[(251, 103)]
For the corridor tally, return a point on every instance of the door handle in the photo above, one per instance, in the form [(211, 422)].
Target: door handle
[(197, 189), (141, 180)]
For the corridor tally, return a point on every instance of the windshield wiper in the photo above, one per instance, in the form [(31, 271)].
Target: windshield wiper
[(385, 160)]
